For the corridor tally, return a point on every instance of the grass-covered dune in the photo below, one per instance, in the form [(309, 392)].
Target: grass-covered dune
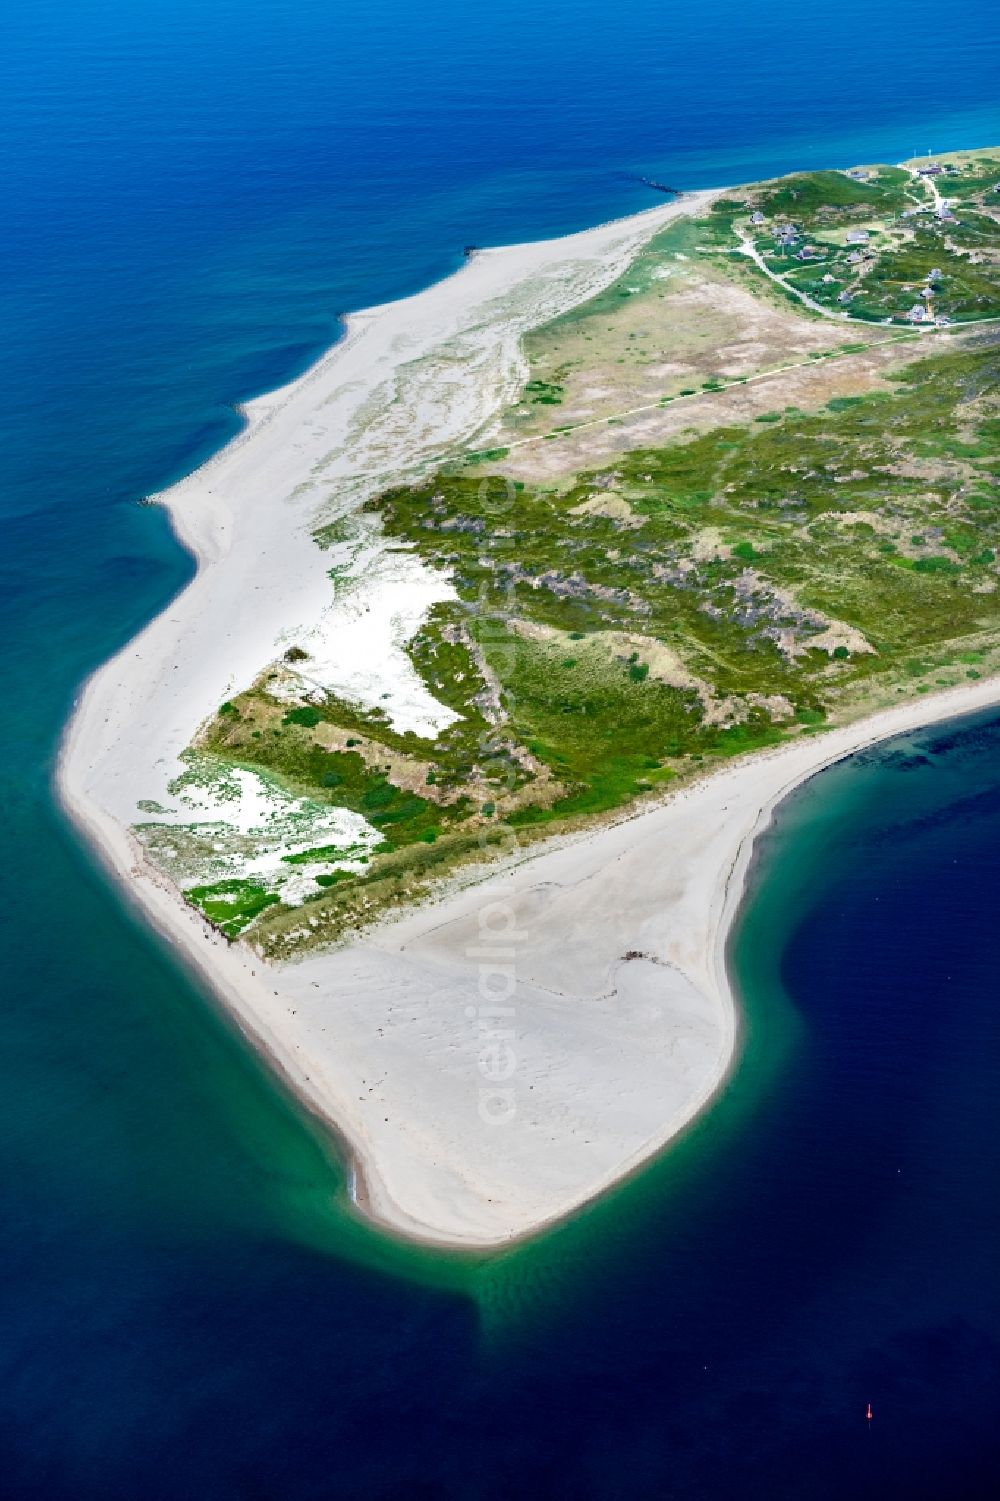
[(800, 525)]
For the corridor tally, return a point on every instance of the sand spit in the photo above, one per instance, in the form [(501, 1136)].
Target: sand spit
[(496, 1059), (566, 1017)]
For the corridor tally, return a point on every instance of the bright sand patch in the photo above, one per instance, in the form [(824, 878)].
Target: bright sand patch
[(605, 957)]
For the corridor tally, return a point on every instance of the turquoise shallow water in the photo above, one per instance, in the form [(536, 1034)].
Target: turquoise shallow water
[(192, 194)]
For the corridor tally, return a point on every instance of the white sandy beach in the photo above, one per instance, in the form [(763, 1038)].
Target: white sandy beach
[(493, 1060)]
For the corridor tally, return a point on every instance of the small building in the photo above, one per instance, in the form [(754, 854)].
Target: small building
[(933, 169), (918, 313), (860, 174), (844, 296), (857, 237), (927, 293), (855, 258), (942, 322), (828, 279), (758, 218)]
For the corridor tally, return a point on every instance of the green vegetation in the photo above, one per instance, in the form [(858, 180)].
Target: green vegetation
[(628, 623), (880, 248), (288, 750), (761, 564), (231, 905), (543, 393), (819, 198)]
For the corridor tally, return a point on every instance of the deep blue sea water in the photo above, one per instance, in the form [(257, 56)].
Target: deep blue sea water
[(191, 194)]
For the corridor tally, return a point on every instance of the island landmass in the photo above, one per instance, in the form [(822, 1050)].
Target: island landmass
[(515, 618)]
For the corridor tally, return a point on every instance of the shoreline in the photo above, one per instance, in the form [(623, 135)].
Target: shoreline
[(590, 1037), (228, 975)]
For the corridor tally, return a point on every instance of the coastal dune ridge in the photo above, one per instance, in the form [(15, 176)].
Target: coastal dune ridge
[(493, 1059)]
